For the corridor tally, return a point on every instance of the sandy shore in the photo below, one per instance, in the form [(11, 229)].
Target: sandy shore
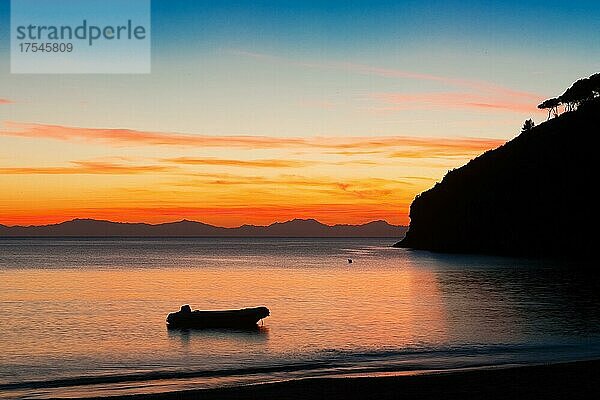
[(578, 380)]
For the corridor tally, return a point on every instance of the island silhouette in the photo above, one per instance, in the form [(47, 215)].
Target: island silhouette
[(532, 196), (185, 228)]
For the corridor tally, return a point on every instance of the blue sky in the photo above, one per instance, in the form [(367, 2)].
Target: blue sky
[(243, 62)]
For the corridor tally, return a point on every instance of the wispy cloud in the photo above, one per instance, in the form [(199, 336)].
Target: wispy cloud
[(129, 136), (404, 101), (425, 143), (329, 145), (5, 101), (269, 163), (291, 180), (85, 167), (365, 69), (354, 152), (457, 82)]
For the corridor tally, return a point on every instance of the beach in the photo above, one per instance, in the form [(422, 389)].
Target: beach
[(577, 380)]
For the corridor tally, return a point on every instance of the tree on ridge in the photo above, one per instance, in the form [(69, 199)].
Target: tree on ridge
[(580, 92)]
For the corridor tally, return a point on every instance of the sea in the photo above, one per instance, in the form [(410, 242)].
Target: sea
[(86, 317)]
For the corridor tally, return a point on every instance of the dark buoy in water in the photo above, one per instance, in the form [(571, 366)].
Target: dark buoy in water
[(350, 261)]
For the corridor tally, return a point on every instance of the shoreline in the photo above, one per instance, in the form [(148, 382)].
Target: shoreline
[(569, 380)]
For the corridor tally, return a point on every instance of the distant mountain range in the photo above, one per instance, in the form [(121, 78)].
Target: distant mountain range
[(185, 228)]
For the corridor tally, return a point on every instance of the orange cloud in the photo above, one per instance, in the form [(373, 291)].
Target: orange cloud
[(120, 137), (448, 149), (403, 101), (239, 163), (390, 142), (85, 167), (375, 186), (342, 191), (269, 163), (354, 152), (5, 101), (128, 136)]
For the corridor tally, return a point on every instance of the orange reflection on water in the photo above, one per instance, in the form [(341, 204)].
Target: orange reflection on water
[(109, 313)]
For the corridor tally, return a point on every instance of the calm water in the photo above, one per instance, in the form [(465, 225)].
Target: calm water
[(87, 317)]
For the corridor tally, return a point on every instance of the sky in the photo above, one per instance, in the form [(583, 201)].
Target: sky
[(264, 111)]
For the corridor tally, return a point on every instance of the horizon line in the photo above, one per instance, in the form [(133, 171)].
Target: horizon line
[(198, 222)]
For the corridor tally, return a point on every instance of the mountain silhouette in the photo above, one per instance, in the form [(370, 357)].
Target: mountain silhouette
[(185, 228), (533, 196)]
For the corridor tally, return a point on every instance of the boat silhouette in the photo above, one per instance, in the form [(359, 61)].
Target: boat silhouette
[(242, 318)]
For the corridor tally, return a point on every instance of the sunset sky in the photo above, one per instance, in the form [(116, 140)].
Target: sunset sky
[(263, 111)]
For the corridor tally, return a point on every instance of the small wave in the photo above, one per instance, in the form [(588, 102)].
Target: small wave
[(334, 361), (158, 375), (456, 350)]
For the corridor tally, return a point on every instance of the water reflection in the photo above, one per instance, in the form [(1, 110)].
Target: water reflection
[(251, 335), (69, 309), (529, 296)]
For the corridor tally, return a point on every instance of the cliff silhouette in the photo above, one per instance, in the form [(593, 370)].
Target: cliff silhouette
[(185, 228), (533, 196)]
